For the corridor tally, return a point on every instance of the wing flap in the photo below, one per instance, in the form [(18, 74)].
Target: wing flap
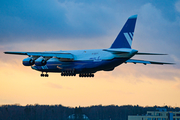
[(145, 62)]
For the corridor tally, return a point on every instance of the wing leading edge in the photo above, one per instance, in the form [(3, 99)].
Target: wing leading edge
[(68, 56), (16, 53), (145, 62)]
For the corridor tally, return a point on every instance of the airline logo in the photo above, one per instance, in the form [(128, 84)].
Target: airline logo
[(129, 37)]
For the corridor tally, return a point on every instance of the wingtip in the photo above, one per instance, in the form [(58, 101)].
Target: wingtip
[(171, 63), (133, 17)]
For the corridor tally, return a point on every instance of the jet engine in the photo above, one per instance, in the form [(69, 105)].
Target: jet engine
[(28, 61), (40, 61)]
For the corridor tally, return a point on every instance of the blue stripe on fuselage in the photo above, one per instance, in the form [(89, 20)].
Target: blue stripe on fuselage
[(80, 66)]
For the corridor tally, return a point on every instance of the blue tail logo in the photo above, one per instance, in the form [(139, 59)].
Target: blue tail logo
[(125, 37)]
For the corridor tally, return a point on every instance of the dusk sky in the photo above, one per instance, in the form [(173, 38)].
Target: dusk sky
[(51, 25)]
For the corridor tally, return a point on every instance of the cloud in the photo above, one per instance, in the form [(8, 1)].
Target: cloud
[(39, 20), (53, 85), (25, 19), (153, 27), (64, 24), (177, 6), (69, 20), (42, 20), (177, 86), (155, 33), (138, 73)]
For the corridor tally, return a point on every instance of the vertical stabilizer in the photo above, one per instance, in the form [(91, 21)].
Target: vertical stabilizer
[(125, 37)]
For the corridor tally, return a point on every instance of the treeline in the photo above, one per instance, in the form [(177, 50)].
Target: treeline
[(59, 112)]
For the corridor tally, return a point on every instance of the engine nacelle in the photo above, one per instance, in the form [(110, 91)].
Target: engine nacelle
[(40, 61), (28, 61)]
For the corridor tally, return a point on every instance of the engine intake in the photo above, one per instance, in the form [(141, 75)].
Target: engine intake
[(28, 61), (40, 61)]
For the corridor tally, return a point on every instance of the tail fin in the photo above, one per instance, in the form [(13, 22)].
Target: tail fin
[(125, 37)]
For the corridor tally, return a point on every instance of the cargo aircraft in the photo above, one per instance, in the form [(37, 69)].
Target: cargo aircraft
[(87, 62)]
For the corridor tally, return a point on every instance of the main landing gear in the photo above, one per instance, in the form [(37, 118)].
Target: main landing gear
[(72, 73), (68, 73), (86, 75), (44, 75)]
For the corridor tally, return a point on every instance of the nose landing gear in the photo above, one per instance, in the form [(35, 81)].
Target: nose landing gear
[(44, 75)]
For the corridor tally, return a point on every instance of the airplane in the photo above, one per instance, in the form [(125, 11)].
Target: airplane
[(87, 62)]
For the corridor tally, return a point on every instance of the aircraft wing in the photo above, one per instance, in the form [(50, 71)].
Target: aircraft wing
[(16, 53), (145, 62), (61, 56)]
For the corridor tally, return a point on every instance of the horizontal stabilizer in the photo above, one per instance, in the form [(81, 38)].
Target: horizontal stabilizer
[(149, 54), (145, 62), (118, 51)]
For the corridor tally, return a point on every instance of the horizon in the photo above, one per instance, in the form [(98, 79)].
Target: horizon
[(16, 104)]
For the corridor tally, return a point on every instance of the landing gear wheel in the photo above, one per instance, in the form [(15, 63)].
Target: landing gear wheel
[(46, 75), (42, 75), (92, 75)]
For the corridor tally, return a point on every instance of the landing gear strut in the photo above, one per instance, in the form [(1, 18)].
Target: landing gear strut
[(44, 75)]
